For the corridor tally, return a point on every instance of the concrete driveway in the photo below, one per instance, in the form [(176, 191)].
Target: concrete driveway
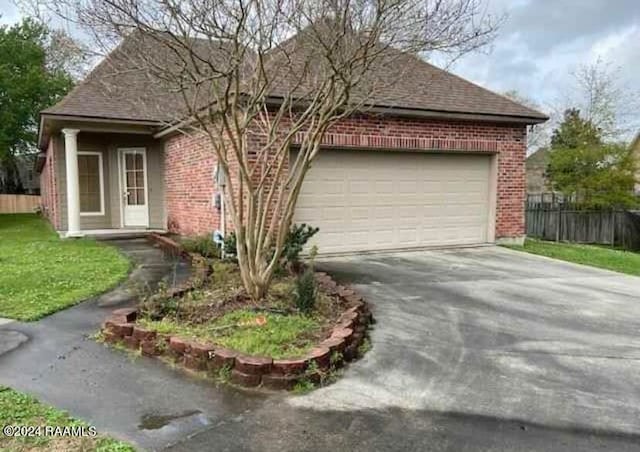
[(497, 333), (474, 349)]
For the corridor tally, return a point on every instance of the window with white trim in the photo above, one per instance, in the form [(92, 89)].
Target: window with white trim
[(91, 183)]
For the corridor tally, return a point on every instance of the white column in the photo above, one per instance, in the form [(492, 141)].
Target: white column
[(73, 184)]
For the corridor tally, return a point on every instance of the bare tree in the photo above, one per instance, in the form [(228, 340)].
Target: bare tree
[(257, 77), (604, 99)]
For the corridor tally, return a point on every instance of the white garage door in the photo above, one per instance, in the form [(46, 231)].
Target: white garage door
[(376, 200)]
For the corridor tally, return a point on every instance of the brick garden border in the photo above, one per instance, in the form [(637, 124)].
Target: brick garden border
[(347, 334)]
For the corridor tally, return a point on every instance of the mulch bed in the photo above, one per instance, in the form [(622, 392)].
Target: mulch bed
[(336, 343)]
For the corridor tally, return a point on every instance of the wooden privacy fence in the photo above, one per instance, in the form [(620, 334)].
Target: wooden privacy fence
[(18, 203), (565, 224)]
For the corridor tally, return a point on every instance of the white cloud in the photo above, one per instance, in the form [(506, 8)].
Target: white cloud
[(543, 41)]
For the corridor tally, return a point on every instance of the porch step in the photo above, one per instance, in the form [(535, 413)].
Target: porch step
[(122, 234)]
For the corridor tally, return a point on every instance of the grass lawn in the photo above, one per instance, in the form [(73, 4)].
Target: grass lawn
[(42, 274), (595, 256), (279, 337), (21, 409)]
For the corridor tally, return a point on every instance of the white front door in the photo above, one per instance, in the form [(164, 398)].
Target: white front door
[(135, 197)]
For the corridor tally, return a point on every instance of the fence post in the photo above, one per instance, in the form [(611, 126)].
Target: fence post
[(558, 222)]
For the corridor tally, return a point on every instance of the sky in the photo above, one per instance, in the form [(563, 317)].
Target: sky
[(540, 44)]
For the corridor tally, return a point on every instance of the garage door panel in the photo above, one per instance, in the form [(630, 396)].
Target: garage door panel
[(376, 200)]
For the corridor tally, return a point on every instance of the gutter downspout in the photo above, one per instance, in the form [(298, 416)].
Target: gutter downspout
[(223, 221)]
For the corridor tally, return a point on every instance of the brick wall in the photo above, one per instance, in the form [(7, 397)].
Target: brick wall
[(506, 140), (189, 165), (189, 185), (49, 187)]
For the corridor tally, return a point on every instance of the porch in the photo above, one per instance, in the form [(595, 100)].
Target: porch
[(107, 183), (116, 234)]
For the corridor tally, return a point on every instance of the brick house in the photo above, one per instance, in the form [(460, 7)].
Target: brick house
[(443, 164), (536, 168)]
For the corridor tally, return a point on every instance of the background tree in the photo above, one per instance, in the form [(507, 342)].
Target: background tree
[(596, 173), (33, 76), (575, 131), (604, 99), (253, 76)]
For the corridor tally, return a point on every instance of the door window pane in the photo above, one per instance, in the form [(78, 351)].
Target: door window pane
[(132, 197), (134, 178), (89, 181), (130, 179)]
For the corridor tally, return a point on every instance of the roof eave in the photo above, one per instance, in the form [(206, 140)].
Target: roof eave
[(457, 115), (39, 162), (105, 119), (441, 114), (169, 129), (152, 126)]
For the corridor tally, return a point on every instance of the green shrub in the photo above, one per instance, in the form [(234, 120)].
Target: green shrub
[(305, 291), (203, 245), (230, 245), (296, 240), (156, 306)]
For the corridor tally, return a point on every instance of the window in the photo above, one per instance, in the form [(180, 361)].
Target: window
[(134, 172), (91, 183)]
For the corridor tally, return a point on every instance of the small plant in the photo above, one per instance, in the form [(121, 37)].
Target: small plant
[(230, 245), (224, 374), (224, 275), (203, 245), (364, 347), (305, 291), (303, 386), (158, 305), (162, 346), (296, 240)]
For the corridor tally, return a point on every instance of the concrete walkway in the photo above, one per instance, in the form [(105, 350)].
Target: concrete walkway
[(483, 349)]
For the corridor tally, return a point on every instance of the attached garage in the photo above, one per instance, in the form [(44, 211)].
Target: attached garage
[(386, 200)]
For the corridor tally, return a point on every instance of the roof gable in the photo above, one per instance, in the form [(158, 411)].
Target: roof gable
[(116, 89)]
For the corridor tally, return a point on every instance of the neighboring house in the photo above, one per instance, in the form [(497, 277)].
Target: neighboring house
[(23, 175), (28, 177), (536, 167), (445, 165)]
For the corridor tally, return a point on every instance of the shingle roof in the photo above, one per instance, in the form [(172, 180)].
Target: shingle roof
[(114, 90), (117, 89), (423, 86)]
